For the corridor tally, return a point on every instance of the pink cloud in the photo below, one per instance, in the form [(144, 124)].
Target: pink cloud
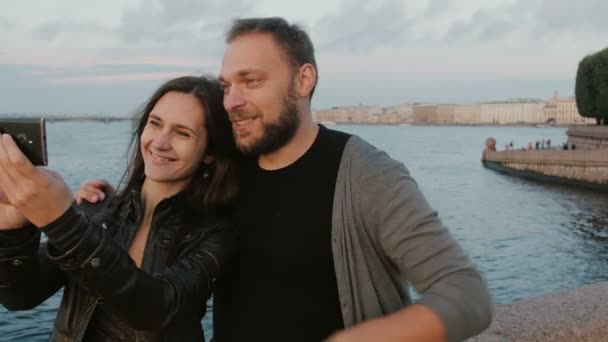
[(150, 76), (66, 61)]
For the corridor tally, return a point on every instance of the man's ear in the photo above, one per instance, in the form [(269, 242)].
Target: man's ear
[(307, 78)]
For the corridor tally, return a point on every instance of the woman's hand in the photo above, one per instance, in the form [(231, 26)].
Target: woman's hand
[(10, 218), (41, 196)]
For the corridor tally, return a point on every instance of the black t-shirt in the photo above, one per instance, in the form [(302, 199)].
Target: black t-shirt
[(282, 284)]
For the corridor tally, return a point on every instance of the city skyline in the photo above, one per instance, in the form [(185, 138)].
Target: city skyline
[(76, 57)]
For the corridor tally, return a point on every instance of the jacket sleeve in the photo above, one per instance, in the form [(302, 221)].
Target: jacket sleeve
[(27, 276), (411, 235), (145, 301)]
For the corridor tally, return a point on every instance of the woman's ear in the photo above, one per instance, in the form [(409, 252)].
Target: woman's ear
[(208, 159)]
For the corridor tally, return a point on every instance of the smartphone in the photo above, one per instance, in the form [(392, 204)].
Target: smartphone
[(30, 136)]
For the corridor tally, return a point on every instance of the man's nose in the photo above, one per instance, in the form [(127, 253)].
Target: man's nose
[(233, 99)]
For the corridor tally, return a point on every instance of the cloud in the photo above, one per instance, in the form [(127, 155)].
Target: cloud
[(118, 73), (172, 29), (6, 27), (113, 79), (99, 74), (585, 20), (25, 91), (6, 24), (485, 24), (70, 31), (533, 21), (184, 25), (364, 25)]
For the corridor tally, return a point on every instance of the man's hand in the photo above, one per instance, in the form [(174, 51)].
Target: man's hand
[(41, 196), (413, 323), (93, 191)]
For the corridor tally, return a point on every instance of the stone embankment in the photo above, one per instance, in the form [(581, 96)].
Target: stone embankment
[(584, 168), (588, 137), (580, 314), (587, 166)]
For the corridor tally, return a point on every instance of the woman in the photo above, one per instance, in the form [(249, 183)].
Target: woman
[(141, 266)]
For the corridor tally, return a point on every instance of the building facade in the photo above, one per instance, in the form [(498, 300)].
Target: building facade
[(403, 113), (446, 114), (467, 114), (425, 114), (512, 111), (364, 115), (563, 111)]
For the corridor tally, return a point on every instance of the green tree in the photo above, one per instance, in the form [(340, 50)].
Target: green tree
[(600, 84), (591, 87), (584, 88)]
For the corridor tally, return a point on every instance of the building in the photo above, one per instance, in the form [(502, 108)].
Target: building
[(402, 113), (398, 114), (425, 114), (350, 114), (467, 114), (446, 114), (438, 114), (556, 110), (512, 111), (563, 111)]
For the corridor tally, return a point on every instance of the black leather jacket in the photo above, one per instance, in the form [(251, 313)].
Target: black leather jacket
[(86, 253)]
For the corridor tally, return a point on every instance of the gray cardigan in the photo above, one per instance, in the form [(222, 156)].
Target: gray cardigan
[(385, 236)]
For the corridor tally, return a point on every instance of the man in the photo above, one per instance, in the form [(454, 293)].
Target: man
[(331, 229)]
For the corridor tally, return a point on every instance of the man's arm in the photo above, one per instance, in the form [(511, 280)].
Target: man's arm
[(414, 323), (455, 302), (94, 191)]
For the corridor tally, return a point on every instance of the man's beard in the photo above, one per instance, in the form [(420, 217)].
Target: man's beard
[(275, 134)]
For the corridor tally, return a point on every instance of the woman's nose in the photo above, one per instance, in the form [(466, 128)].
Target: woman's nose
[(161, 141)]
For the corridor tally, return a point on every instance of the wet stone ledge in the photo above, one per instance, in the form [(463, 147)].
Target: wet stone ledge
[(579, 314)]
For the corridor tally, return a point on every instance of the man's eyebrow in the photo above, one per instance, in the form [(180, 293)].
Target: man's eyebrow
[(243, 73), (247, 72)]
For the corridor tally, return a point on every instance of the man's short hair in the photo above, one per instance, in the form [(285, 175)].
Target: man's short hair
[(291, 38)]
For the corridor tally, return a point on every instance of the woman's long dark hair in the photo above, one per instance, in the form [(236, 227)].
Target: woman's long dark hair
[(216, 194)]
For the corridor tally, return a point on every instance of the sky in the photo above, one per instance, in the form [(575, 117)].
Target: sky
[(86, 57)]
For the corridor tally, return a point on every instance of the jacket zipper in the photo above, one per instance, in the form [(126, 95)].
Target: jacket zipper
[(211, 255), (138, 334), (150, 232)]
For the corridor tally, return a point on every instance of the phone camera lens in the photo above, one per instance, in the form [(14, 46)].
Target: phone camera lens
[(22, 138)]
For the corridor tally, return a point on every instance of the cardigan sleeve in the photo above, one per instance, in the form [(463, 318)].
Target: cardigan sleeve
[(411, 235)]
